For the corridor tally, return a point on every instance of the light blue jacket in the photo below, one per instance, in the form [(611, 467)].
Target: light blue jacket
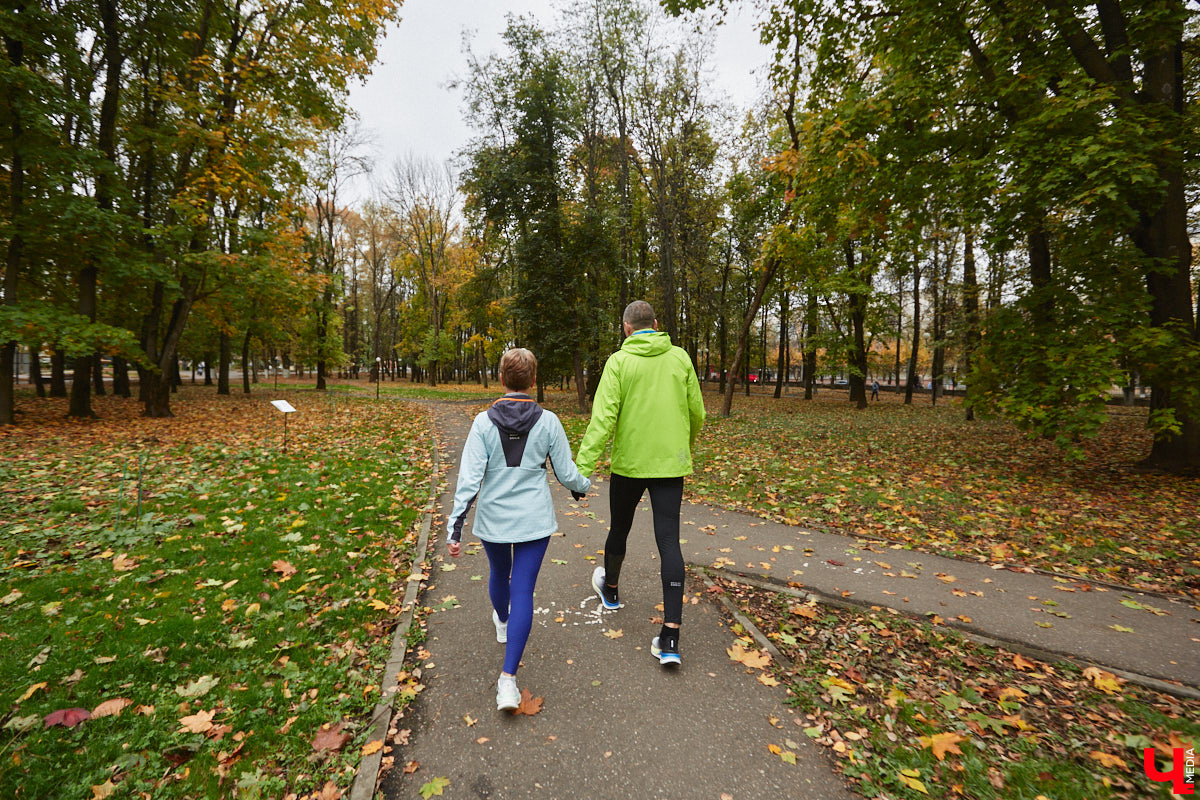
[(514, 501)]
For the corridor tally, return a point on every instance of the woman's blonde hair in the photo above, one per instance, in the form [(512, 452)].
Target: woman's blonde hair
[(518, 369)]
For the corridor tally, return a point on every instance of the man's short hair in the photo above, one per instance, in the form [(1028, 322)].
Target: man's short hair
[(639, 315), (518, 368)]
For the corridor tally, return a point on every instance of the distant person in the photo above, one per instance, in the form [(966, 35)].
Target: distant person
[(875, 389), (649, 401), (503, 465)]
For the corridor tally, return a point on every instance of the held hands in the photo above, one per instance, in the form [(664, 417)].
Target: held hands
[(454, 548)]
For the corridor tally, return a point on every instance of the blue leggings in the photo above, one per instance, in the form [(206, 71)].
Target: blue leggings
[(514, 574)]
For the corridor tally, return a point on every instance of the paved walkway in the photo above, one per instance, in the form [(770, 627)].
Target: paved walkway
[(615, 724)]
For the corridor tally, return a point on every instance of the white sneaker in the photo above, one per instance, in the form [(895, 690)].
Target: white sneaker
[(508, 696), (501, 628)]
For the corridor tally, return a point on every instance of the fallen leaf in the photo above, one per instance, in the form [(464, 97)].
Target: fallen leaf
[(467, 718), (284, 568), (911, 779), (330, 738), (123, 563), (103, 790), (434, 787), (942, 743), (751, 658), (767, 680), (614, 634), (1020, 662), (111, 708), (1108, 760), (29, 692), (67, 717), (530, 705), (197, 688), (199, 722), (372, 747)]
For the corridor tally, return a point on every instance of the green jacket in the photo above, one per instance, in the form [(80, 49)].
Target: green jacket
[(649, 401)]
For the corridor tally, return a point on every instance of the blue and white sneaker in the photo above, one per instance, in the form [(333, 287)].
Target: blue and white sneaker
[(607, 594), (668, 656), (501, 628)]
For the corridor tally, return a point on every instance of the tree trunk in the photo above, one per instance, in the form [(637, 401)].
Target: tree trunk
[(899, 325), (58, 374), (781, 362), (858, 318), (226, 350), (246, 363), (916, 335), (935, 361), (580, 384), (35, 370), (971, 314), (16, 200), (810, 346), (98, 375), (739, 354), (120, 377)]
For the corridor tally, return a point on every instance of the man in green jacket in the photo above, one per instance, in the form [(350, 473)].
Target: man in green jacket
[(649, 401)]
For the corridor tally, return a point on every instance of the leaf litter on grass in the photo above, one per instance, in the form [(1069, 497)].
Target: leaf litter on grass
[(900, 702), (993, 494), (194, 606)]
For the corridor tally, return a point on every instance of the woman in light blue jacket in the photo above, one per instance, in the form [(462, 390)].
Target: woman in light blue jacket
[(503, 466)]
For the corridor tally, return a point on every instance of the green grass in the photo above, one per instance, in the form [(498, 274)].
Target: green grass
[(256, 585), (871, 685)]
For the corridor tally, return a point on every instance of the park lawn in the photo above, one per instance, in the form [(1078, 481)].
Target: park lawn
[(912, 710), (228, 642), (924, 476)]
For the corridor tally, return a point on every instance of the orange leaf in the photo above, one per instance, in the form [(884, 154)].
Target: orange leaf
[(942, 743), (751, 658), (1022, 663), (530, 705), (372, 747), (283, 568), (1107, 759)]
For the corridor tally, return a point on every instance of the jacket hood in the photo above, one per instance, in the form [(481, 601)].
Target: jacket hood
[(514, 414), (647, 345)]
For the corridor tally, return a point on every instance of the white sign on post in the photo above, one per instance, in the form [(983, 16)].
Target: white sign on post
[(286, 408)]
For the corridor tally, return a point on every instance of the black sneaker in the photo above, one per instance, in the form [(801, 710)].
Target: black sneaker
[(667, 655), (607, 594)]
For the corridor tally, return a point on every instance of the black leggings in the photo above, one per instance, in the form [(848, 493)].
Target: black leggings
[(666, 495)]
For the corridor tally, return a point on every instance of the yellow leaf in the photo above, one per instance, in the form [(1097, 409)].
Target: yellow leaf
[(467, 718), (751, 658), (942, 743), (1104, 681), (378, 604), (767, 680), (775, 749), (372, 747), (229, 604), (1011, 692), (909, 778), (617, 634), (1108, 760), (103, 790), (29, 692)]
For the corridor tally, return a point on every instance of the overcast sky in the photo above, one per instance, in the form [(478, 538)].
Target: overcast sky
[(406, 107)]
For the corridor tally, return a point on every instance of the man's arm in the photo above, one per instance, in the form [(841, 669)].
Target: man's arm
[(695, 403), (605, 409)]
